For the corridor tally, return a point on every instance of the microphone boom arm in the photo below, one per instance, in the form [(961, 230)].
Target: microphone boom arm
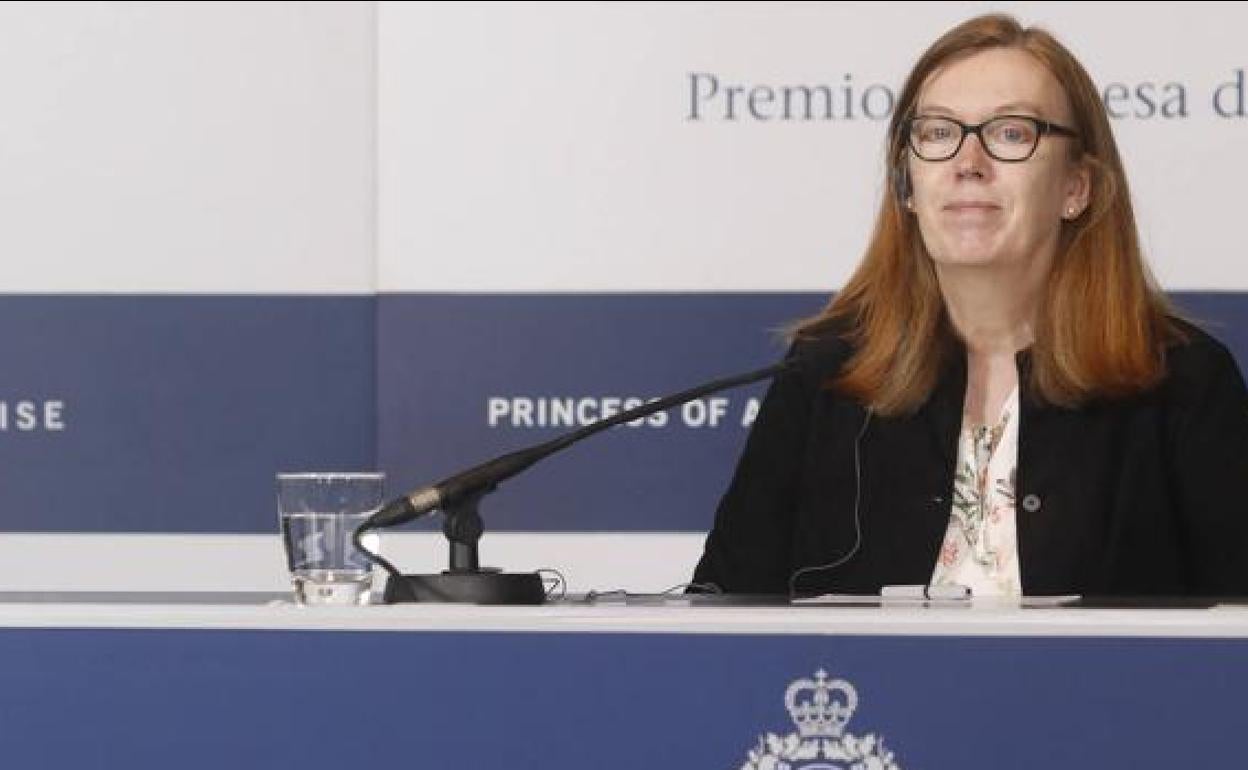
[(459, 496), (487, 475)]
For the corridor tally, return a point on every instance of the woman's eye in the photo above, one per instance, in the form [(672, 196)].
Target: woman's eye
[(1014, 133)]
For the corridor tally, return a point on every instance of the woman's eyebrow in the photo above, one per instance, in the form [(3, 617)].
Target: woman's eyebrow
[(1009, 107)]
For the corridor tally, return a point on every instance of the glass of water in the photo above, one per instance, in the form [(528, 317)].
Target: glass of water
[(319, 513)]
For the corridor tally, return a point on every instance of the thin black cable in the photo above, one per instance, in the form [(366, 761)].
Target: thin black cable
[(857, 517), (561, 583), (381, 561), (594, 595)]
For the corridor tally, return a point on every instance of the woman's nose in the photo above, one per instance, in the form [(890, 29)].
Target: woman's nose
[(972, 159)]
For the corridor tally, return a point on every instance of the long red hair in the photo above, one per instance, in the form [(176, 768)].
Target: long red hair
[(1102, 324)]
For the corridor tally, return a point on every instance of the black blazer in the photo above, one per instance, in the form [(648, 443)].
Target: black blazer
[(1145, 495)]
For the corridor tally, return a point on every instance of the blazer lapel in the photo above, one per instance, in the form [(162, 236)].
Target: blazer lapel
[(944, 408)]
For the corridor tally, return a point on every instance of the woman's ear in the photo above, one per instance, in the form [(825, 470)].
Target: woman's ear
[(1078, 190)]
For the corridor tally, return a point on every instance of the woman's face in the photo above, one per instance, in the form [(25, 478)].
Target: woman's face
[(974, 210)]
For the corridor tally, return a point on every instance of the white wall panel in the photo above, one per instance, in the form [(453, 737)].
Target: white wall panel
[(186, 147), (549, 147)]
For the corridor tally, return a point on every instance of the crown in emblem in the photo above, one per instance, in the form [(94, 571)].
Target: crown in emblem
[(820, 708)]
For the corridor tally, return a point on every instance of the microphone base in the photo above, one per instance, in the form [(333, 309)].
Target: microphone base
[(468, 588)]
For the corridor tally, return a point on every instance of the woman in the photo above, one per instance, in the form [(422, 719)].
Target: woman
[(1001, 398)]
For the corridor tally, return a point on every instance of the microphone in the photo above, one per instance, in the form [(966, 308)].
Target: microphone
[(488, 475), (459, 495)]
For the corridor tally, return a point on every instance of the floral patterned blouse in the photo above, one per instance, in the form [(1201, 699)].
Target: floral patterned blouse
[(980, 549)]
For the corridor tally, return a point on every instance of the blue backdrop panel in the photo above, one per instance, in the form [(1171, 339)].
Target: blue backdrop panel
[(442, 357), (178, 410), (211, 699), (1224, 315)]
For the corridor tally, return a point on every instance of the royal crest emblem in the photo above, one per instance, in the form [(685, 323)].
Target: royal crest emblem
[(820, 709)]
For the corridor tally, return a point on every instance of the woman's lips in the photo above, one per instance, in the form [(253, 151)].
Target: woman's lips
[(973, 211), (971, 206)]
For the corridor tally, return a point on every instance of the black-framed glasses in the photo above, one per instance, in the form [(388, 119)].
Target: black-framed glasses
[(1008, 138)]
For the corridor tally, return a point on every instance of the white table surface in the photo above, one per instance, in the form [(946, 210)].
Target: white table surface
[(675, 615)]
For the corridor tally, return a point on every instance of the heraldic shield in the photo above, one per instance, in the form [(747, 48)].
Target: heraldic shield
[(820, 709)]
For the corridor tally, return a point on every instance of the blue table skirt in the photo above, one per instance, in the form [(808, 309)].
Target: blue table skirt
[(348, 699)]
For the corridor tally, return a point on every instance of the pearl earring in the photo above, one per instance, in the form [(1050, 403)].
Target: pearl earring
[(1070, 212)]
